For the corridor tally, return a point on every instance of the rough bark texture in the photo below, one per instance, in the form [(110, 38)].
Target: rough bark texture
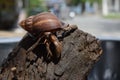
[(80, 52)]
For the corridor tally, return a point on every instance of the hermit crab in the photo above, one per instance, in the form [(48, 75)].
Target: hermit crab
[(45, 26)]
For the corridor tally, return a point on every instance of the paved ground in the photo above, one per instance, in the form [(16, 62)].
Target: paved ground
[(98, 26)]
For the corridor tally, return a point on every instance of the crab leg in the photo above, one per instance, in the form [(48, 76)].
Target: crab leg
[(34, 45), (57, 46), (49, 55)]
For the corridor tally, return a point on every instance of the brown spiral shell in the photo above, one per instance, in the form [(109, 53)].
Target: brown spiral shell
[(43, 22)]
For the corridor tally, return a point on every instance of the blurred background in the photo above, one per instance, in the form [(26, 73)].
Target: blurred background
[(101, 18)]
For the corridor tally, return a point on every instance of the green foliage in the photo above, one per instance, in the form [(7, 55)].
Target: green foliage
[(113, 16), (36, 6), (77, 2), (74, 2), (7, 5), (99, 1), (35, 3)]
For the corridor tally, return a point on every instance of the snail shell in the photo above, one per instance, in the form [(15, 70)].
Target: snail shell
[(43, 22)]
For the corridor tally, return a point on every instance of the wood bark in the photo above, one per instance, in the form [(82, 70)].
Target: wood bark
[(79, 54)]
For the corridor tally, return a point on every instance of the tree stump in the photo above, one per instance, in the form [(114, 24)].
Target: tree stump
[(80, 52)]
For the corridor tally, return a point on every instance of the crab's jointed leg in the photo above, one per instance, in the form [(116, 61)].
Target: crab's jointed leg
[(49, 54), (56, 46), (34, 45)]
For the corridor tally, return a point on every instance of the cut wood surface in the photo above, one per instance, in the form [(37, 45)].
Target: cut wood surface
[(79, 54)]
